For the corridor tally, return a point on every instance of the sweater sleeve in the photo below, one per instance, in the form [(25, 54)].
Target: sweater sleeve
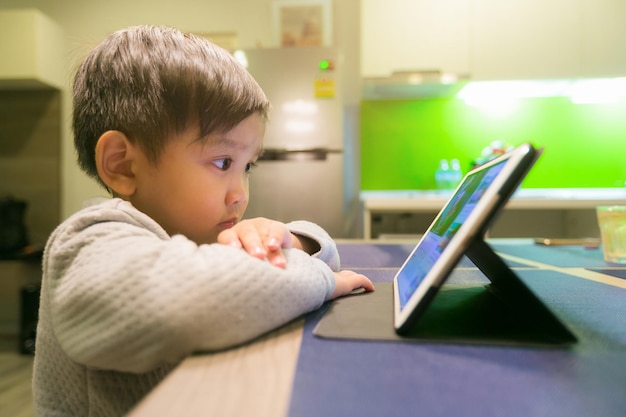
[(124, 298), (328, 249)]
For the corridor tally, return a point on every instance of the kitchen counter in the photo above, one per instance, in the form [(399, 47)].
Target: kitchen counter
[(431, 201)]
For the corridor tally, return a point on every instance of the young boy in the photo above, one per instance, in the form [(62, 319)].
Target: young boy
[(171, 125)]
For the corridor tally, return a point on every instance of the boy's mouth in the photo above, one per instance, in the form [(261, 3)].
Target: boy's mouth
[(227, 224)]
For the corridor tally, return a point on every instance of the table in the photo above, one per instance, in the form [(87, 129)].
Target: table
[(290, 372)]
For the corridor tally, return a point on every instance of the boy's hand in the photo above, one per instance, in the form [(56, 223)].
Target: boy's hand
[(261, 238), (347, 281)]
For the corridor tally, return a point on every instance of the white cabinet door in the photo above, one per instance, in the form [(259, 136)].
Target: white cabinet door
[(526, 39), (495, 39), (401, 35), (603, 38), (31, 47)]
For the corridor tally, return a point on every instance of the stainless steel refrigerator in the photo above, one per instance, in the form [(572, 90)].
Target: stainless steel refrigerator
[(300, 175)]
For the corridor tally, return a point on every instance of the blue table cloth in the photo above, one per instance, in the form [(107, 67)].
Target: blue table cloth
[(374, 378)]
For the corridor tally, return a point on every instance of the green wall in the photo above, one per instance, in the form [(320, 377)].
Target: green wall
[(402, 141)]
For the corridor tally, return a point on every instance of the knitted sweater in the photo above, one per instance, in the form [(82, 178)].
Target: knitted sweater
[(122, 303)]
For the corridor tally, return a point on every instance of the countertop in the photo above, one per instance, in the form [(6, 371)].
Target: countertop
[(524, 198), (431, 201)]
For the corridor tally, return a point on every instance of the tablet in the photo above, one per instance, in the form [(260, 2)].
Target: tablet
[(464, 219)]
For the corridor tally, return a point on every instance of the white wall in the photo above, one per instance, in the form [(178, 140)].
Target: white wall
[(85, 23)]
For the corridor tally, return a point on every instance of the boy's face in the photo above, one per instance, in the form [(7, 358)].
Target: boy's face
[(200, 188)]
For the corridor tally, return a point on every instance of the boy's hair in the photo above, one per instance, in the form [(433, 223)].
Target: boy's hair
[(150, 82)]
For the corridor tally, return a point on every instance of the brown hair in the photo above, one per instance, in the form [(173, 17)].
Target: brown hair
[(150, 82)]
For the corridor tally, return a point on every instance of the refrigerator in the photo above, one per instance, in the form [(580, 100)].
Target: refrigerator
[(300, 175)]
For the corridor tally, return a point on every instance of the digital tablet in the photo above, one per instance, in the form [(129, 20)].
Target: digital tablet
[(464, 219)]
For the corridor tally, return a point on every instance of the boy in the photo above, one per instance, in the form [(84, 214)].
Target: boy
[(171, 125)]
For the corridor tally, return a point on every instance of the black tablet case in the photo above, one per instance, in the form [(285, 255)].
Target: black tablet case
[(503, 312)]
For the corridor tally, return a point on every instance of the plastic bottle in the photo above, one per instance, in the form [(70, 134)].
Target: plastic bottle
[(455, 173), (441, 175)]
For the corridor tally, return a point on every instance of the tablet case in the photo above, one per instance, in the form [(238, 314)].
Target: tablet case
[(505, 312)]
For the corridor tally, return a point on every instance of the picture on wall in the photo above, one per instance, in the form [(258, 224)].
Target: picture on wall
[(302, 23)]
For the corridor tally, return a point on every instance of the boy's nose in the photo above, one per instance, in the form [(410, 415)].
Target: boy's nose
[(238, 192)]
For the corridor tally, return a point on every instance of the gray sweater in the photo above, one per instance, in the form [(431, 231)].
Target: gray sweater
[(122, 303)]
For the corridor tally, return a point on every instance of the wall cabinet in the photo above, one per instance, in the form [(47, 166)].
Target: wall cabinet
[(525, 39), (603, 36), (495, 39), (401, 35), (31, 50)]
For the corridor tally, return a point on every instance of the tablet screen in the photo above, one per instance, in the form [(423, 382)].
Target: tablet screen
[(449, 221)]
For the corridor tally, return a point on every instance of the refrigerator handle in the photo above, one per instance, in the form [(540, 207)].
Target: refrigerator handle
[(309, 154)]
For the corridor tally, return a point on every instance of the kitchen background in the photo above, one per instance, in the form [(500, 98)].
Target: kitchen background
[(63, 31), (395, 131), (584, 145), (401, 67)]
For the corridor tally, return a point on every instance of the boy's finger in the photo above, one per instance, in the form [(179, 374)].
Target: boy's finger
[(277, 258), (229, 237), (252, 240), (278, 236)]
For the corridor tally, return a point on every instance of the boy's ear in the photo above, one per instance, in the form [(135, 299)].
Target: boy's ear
[(114, 160)]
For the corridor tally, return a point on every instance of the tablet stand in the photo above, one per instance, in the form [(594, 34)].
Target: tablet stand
[(505, 312), (523, 308)]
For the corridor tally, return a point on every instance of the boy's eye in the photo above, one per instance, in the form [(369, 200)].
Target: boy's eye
[(249, 167), (223, 164)]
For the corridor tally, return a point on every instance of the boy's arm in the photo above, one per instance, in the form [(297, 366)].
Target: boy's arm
[(267, 239), (316, 242), (120, 294), (124, 299), (133, 311)]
